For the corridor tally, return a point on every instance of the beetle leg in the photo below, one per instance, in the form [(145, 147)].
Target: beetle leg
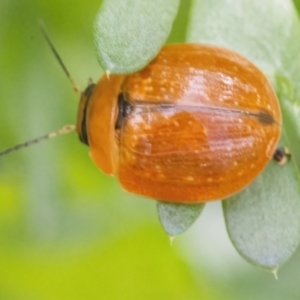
[(281, 155)]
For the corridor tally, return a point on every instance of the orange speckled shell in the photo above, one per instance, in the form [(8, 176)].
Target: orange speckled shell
[(204, 122), (193, 134)]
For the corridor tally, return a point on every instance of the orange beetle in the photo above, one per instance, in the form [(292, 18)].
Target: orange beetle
[(199, 123)]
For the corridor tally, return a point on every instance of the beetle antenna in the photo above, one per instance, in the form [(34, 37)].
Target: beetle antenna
[(65, 130), (54, 51)]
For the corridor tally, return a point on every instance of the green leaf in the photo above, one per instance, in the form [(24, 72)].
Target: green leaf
[(264, 224), (290, 106), (129, 33), (177, 218), (263, 221)]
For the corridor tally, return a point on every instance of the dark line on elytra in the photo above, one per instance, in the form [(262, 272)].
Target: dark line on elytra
[(262, 116)]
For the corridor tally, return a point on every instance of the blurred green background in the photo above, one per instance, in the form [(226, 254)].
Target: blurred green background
[(67, 231)]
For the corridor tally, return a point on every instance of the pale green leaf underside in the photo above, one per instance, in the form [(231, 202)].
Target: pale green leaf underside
[(263, 221), (129, 33), (177, 218)]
